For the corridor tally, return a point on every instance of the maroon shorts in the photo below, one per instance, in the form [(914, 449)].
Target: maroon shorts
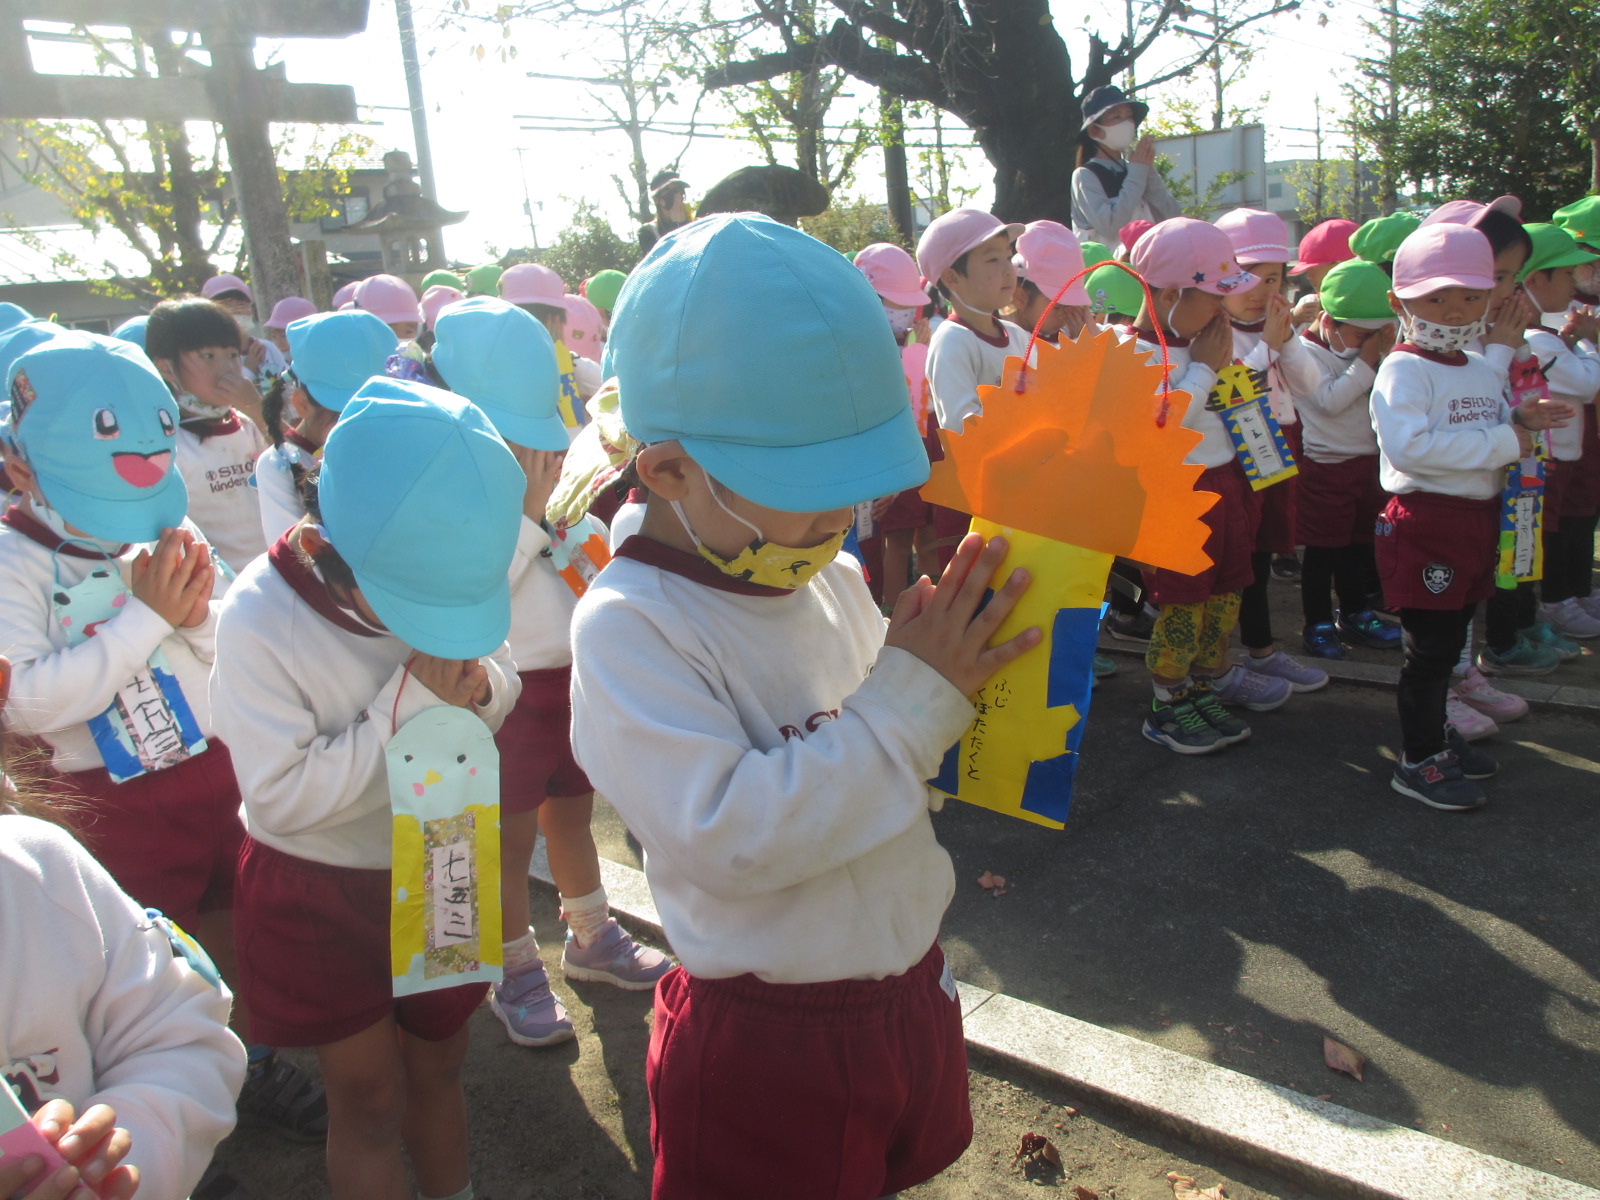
[(908, 510), (171, 838), (1437, 551), (1557, 482), (1230, 540), (850, 1090), (535, 744), (313, 947), (1582, 498), (1276, 529), (1339, 502)]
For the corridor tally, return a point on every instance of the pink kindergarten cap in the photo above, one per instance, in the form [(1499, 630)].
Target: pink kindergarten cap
[(218, 284), (1184, 253), (1470, 212), (345, 295), (948, 237), (290, 308), (1257, 236), (1324, 245), (389, 298), (529, 283), (436, 298), (1440, 256), (892, 273), (1133, 231), (582, 330), (1048, 254)]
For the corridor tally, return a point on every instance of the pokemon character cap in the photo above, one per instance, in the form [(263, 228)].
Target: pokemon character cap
[(98, 425), (133, 330), (504, 361), (424, 501), (807, 409), (12, 314), (1184, 253), (336, 352)]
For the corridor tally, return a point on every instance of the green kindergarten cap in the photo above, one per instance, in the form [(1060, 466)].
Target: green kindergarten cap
[(1553, 247), (1581, 219), (1356, 290), (1379, 238), (1113, 290)]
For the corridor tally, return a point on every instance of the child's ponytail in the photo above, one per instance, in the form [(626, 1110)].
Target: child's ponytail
[(272, 405)]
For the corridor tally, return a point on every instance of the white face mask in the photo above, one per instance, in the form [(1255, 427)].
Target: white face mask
[(1118, 137), (900, 319), (1440, 339), (243, 322), (1340, 350)]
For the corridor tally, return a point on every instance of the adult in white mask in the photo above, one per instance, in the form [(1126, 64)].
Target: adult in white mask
[(1116, 180)]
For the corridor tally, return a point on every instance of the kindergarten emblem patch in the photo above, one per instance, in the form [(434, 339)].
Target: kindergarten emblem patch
[(1436, 577)]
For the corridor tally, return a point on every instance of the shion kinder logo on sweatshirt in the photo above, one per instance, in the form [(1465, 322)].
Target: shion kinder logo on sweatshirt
[(815, 720), (234, 475)]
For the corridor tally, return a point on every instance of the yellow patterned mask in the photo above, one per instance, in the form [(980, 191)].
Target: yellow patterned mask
[(762, 562)]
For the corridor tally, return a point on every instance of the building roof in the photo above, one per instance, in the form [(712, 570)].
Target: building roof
[(65, 254)]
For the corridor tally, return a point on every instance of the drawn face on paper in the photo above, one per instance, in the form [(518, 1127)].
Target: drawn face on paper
[(441, 771)]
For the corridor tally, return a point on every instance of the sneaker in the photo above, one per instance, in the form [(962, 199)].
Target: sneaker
[(1131, 627), (614, 957), (1285, 568), (1590, 604), (1523, 660), (1230, 728), (1571, 619), (1279, 665), (1542, 633), (1179, 727), (1247, 689), (1475, 764), (1390, 616), (1438, 783), (279, 1094), (1103, 666), (1368, 629), (1475, 690), (529, 1009), (1322, 640), (1474, 725)]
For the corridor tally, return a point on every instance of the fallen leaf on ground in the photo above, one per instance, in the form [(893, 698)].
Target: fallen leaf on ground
[(994, 884), (1185, 1188), (1341, 1058), (1082, 1193)]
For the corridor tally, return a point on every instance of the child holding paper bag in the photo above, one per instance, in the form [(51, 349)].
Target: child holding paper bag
[(390, 599)]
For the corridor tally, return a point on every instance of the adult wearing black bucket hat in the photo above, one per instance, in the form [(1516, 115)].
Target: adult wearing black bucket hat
[(1116, 180)]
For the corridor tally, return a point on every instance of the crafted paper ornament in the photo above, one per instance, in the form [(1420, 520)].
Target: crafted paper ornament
[(1520, 557), (19, 1138), (1075, 461), (1240, 394), (444, 789)]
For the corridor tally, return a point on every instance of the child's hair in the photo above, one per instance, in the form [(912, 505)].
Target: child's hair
[(552, 316), (960, 268), (189, 323), (1088, 149), (1505, 231), (272, 406), (335, 571), (21, 793)]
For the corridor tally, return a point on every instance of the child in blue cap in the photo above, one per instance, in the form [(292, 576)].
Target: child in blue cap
[(334, 354), (737, 698), (389, 598), (503, 359), (104, 610)]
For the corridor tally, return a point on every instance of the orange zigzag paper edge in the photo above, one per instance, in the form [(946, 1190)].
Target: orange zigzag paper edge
[(1078, 456)]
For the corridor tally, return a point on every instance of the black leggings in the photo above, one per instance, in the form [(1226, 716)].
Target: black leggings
[(1120, 600), (1509, 610), (1569, 560), (1434, 638), (1255, 615), (1351, 571)]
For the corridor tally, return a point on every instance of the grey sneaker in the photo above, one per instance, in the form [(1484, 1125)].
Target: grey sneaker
[(1180, 727), (529, 1009), (1230, 729), (1249, 689), (614, 957), (1438, 783)]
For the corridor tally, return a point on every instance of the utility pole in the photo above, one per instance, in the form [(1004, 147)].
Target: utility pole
[(1133, 28), (419, 114), (1219, 112)]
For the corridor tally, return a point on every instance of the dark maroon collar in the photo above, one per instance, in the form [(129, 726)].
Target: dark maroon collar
[(1002, 340), (1252, 327), (309, 586), (1315, 338), (210, 427), (295, 438), (1173, 342), (691, 566), (35, 530), (1458, 359), (1586, 298)]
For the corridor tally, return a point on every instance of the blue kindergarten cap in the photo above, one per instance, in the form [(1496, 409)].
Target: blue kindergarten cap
[(503, 359), (98, 425), (424, 501), (133, 330), (806, 410), (334, 353), (12, 314)]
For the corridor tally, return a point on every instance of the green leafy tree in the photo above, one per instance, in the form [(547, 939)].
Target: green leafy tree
[(1507, 101), (587, 246), (849, 225), (1181, 114)]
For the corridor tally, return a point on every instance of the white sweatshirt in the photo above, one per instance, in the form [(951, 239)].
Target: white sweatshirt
[(1574, 376), (281, 503), (541, 604), (1143, 196), (1216, 447), (959, 362), (307, 709), (217, 472), (57, 689), (1441, 428), (1289, 370), (1335, 418), (95, 1008), (770, 754)]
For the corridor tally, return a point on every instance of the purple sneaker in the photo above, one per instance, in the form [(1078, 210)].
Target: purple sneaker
[(614, 957), (1280, 666), (1246, 689), (529, 1009)]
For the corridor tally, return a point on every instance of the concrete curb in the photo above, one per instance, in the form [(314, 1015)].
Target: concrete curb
[(1335, 1150), (1552, 697)]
